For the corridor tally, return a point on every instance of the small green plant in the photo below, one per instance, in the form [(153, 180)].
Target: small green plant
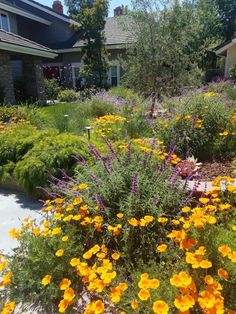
[(232, 72), (67, 95), (52, 89)]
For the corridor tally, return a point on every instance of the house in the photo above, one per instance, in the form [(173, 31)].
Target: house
[(228, 52), (35, 38)]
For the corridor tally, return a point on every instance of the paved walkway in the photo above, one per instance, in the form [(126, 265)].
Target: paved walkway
[(14, 206)]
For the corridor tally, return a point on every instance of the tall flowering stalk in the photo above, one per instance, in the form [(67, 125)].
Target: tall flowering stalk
[(135, 184)]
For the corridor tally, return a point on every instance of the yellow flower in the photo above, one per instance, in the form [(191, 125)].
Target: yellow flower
[(15, 234), (120, 215), (116, 256), (234, 228), (162, 248), (134, 304), (36, 231), (186, 209), (56, 231), (224, 250), (65, 284), (83, 186), (162, 220), (204, 200), (65, 238), (59, 252), (160, 307), (205, 264), (3, 265), (63, 305), (46, 280), (77, 201), (8, 307), (95, 307), (144, 294), (232, 256), (133, 222), (74, 262), (184, 302), (69, 294), (181, 280)]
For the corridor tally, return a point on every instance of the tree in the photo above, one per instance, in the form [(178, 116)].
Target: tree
[(171, 42), (91, 17), (227, 12)]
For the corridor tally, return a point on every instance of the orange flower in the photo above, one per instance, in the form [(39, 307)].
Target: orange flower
[(133, 222), (65, 284), (144, 294), (162, 248), (116, 256), (63, 305), (69, 295), (223, 273), (181, 280), (160, 307), (224, 250), (120, 215), (184, 302), (46, 280), (134, 304), (8, 307)]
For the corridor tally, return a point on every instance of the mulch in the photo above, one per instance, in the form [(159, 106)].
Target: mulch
[(210, 170)]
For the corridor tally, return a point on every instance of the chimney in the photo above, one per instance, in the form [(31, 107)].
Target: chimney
[(57, 6), (118, 11)]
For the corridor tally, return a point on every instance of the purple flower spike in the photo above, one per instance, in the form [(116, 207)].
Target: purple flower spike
[(135, 184)]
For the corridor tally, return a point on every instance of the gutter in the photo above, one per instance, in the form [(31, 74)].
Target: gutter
[(27, 50)]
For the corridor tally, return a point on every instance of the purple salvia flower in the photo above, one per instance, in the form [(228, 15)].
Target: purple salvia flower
[(111, 148), (135, 184), (65, 176), (94, 178), (100, 202), (155, 200)]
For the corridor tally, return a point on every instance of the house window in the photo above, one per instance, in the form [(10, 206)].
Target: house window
[(4, 22), (114, 76), (78, 82)]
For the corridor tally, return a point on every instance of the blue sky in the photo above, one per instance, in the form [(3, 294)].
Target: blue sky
[(112, 4)]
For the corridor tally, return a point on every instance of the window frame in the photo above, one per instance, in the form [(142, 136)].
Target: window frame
[(8, 21)]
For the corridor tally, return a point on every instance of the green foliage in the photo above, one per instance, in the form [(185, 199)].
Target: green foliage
[(49, 155), (52, 89), (195, 126), (134, 186), (67, 95), (98, 107), (126, 93), (232, 73), (92, 23), (231, 92), (171, 45), (7, 113)]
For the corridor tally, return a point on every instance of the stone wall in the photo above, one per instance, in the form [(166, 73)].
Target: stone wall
[(33, 77), (6, 79)]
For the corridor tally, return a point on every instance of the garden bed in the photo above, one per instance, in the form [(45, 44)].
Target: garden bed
[(210, 170)]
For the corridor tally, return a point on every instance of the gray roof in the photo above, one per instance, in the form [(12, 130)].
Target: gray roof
[(114, 32), (18, 41)]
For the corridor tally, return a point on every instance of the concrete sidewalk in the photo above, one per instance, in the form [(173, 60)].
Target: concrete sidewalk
[(14, 206)]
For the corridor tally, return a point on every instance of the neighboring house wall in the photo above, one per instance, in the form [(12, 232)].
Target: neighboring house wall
[(230, 59)]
